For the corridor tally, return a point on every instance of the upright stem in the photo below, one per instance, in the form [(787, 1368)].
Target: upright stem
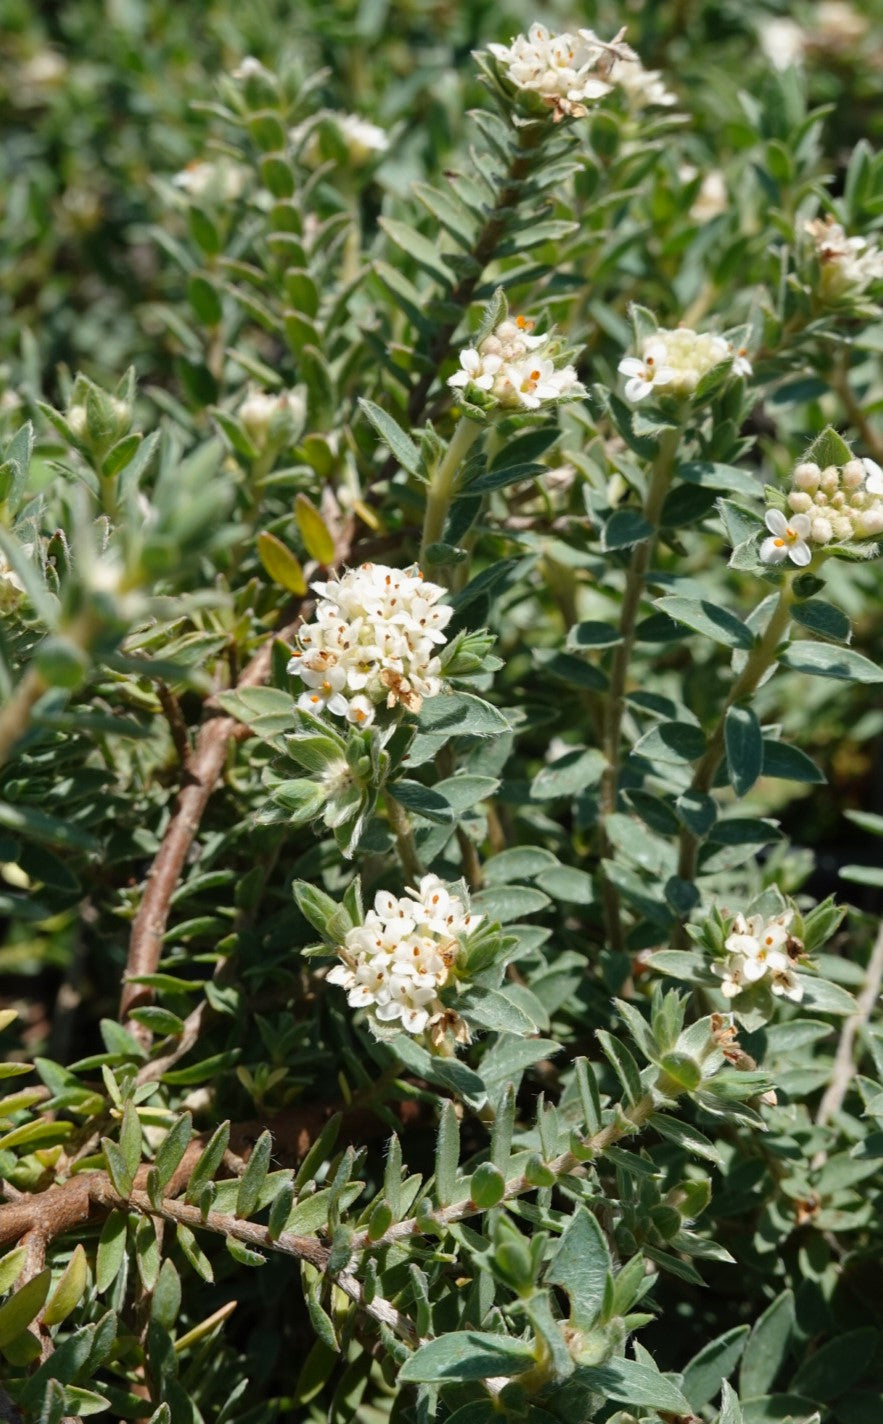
[(757, 663), (443, 483), (636, 579), (404, 838), (839, 379), (530, 138)]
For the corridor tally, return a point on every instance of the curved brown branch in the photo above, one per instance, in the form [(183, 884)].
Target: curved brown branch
[(844, 1059)]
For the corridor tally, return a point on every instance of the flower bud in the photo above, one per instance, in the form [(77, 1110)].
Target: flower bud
[(869, 522), (852, 476), (842, 526), (799, 502), (821, 531), (830, 479), (806, 477)]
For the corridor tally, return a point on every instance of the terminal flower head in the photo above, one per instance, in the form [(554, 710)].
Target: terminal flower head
[(517, 368), (673, 362), (395, 963), (374, 640), (566, 71), (841, 503), (848, 265), (758, 950)]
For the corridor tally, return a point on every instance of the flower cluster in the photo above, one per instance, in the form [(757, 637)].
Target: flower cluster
[(644, 88), (849, 265), (672, 363), (516, 368), (761, 950), (566, 71), (835, 504), (374, 639), (272, 418), (395, 963)]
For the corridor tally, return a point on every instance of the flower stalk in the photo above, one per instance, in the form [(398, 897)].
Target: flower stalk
[(443, 484), (635, 583)]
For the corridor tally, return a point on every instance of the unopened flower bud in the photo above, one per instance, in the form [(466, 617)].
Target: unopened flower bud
[(821, 531), (830, 479), (806, 477), (799, 502), (842, 526), (853, 474), (869, 522)]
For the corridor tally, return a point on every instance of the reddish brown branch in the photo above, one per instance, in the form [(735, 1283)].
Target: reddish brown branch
[(201, 773)]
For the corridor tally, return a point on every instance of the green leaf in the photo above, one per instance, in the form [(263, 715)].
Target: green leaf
[(147, 1254), (676, 742), (624, 528), (447, 1154), (829, 998), (281, 564), (11, 1267), (837, 1364), (130, 1139), (487, 1186), (744, 748), (623, 1064), (582, 1266), (111, 1250), (418, 248), (767, 1347), (17, 1314), (461, 714), (822, 618), (704, 617), (317, 538), (209, 1162), (789, 763), (424, 801), (69, 1290), (629, 1382), (117, 1167), (715, 1362), (823, 660), (392, 435), (172, 1149), (494, 1009), (267, 710), (253, 1177), (243, 1254), (467, 1355)]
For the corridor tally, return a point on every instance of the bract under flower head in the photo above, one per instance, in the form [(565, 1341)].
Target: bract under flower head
[(374, 639), (517, 368), (673, 362), (567, 71), (396, 962)]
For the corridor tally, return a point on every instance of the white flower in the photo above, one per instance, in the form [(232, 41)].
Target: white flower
[(567, 71), (712, 198), (783, 42), (673, 362), (395, 963), (788, 539), (645, 88), (362, 138), (264, 415), (758, 949), (874, 480), (849, 265), (222, 181), (476, 369), (517, 368), (374, 639), (251, 68)]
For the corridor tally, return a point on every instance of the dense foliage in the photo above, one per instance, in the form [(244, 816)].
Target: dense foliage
[(440, 779)]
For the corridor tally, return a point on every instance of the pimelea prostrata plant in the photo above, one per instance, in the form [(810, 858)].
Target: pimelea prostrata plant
[(416, 691)]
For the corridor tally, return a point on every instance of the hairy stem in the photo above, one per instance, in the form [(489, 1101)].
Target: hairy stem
[(443, 483), (758, 662), (635, 584), (400, 826), (839, 380)]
